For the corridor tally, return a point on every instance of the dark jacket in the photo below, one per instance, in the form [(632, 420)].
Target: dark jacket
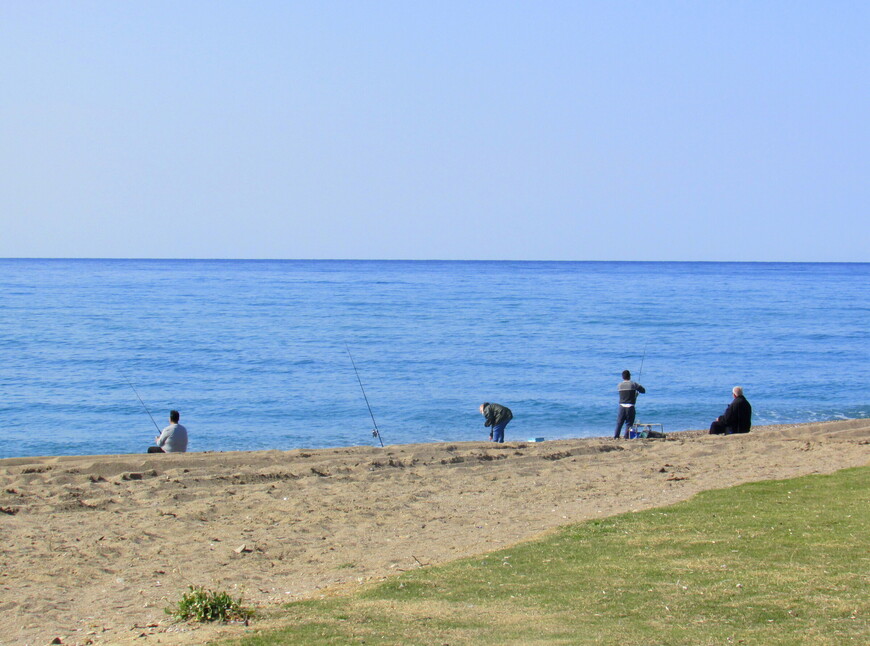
[(628, 391), (497, 414), (738, 415)]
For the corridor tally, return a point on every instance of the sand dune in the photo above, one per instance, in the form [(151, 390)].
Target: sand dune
[(95, 547)]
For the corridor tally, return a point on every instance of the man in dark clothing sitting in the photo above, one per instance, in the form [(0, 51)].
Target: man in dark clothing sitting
[(737, 418)]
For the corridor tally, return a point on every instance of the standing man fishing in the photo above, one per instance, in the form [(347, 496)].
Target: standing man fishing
[(628, 391)]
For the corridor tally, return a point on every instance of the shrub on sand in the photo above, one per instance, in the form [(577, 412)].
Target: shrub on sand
[(204, 605)]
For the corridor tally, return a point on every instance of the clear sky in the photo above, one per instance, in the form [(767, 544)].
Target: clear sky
[(694, 130)]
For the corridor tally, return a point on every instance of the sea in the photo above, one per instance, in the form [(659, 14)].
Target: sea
[(290, 354)]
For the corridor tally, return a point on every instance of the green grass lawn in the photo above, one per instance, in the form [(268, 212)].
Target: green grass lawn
[(770, 563)]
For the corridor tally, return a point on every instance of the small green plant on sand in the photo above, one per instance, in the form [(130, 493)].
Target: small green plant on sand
[(208, 605)]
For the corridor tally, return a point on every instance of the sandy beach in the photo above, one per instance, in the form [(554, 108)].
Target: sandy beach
[(95, 547)]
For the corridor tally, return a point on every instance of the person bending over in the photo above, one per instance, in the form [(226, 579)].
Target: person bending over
[(172, 439), (497, 417), (628, 391), (737, 418)]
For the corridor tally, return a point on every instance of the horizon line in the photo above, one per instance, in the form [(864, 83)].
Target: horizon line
[(473, 260)]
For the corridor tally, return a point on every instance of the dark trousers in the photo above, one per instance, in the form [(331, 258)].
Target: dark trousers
[(718, 428), (155, 449), (498, 432), (624, 416)]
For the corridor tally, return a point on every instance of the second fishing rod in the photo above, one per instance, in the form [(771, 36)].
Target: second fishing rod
[(376, 431)]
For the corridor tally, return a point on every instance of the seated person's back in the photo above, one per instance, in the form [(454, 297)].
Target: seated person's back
[(173, 438)]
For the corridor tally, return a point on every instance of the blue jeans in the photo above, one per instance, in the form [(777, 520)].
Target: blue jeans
[(498, 432), (625, 416)]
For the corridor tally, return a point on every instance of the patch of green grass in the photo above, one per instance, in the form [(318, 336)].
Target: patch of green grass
[(775, 563), (203, 605)]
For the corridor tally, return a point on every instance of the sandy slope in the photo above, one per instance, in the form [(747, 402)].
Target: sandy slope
[(95, 547)]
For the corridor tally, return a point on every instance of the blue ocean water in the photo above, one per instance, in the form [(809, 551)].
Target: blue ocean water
[(253, 352)]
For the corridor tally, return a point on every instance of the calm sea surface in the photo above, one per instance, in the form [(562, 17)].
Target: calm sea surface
[(253, 352)]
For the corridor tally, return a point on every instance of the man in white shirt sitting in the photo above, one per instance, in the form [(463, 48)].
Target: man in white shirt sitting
[(173, 438)]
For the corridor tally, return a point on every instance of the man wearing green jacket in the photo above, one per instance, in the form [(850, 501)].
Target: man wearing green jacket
[(497, 417)]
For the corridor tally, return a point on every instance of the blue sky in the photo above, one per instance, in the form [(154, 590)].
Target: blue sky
[(457, 130)]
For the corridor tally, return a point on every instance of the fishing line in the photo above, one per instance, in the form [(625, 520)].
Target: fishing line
[(640, 372), (129, 383), (376, 433)]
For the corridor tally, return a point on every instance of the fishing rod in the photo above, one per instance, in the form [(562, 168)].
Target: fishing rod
[(376, 433), (640, 372), (129, 383)]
